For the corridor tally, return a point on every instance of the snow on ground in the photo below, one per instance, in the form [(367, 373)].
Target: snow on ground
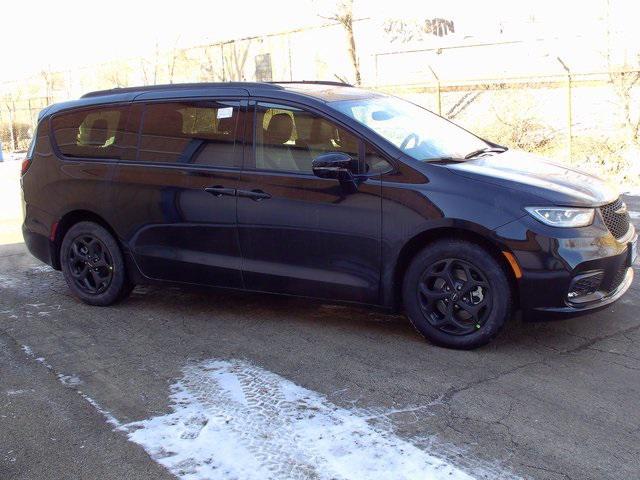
[(232, 419), (8, 281), (72, 382), (13, 156)]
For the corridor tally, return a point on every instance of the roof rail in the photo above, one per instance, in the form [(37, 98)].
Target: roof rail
[(176, 86), (318, 82)]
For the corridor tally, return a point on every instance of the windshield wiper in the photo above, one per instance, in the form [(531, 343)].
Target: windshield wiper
[(443, 160), (475, 153)]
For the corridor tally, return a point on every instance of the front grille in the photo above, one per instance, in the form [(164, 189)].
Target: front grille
[(617, 223)]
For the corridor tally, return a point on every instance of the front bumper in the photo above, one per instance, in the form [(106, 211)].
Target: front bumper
[(553, 259), (603, 299)]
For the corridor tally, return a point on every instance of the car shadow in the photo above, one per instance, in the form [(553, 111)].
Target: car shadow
[(218, 309)]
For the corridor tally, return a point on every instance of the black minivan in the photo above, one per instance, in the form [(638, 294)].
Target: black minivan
[(321, 190)]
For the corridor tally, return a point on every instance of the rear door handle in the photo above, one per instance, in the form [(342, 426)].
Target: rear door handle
[(255, 195), (219, 190)]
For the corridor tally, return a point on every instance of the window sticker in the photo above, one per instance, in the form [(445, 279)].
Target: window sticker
[(226, 112)]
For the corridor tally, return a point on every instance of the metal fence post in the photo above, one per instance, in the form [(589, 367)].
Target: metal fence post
[(224, 70), (12, 144), (438, 91), (569, 110)]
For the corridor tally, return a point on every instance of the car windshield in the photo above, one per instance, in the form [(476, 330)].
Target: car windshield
[(416, 131)]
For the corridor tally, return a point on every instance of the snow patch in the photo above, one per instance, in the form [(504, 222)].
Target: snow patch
[(231, 419), (8, 282), (111, 420), (42, 269), (72, 381), (69, 380), (234, 420), (19, 391)]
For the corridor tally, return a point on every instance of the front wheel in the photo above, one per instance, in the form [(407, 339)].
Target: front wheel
[(456, 294), (93, 266)]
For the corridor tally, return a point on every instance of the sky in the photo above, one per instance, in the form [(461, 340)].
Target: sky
[(62, 34)]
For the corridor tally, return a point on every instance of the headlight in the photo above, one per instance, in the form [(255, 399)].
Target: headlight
[(563, 216)]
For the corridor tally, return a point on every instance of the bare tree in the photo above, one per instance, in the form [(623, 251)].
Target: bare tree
[(625, 82), (343, 14), (236, 60), (9, 102), (463, 102), (117, 75), (209, 67), (52, 83), (523, 130), (175, 55), (150, 68)]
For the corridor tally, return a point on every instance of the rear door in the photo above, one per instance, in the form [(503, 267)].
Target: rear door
[(176, 201), (301, 234)]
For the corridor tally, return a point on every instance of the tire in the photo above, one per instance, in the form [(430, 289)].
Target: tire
[(93, 265), (456, 294)]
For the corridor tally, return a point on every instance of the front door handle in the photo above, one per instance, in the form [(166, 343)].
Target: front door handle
[(255, 195), (219, 190)]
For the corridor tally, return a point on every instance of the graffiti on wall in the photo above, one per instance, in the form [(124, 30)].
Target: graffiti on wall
[(405, 31)]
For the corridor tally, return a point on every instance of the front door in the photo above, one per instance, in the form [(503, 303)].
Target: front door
[(301, 234), (176, 199)]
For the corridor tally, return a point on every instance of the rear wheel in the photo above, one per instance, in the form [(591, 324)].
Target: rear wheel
[(456, 294), (93, 266)]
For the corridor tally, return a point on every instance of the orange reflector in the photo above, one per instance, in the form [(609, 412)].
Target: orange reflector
[(54, 230), (514, 264)]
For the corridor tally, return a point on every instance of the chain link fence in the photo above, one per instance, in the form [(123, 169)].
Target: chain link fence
[(588, 120)]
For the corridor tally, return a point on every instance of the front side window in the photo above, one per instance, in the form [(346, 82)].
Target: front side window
[(414, 130), (288, 139), (193, 133), (375, 162), (92, 133)]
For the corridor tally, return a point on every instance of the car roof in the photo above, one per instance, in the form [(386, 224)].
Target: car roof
[(322, 91)]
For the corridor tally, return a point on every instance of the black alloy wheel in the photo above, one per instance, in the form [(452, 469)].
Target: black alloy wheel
[(90, 264), (455, 296), (457, 293), (93, 265)]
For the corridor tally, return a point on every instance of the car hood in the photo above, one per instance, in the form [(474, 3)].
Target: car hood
[(555, 183)]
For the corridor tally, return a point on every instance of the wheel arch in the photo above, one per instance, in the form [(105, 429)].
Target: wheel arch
[(67, 221), (416, 243)]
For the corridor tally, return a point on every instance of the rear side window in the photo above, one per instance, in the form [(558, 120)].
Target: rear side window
[(194, 133), (94, 133)]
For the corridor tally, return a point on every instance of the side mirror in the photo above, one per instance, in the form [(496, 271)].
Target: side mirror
[(336, 165)]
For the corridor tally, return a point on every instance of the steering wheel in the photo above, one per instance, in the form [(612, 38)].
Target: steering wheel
[(411, 136)]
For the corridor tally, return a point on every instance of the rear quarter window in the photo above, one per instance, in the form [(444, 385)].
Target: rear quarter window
[(191, 133), (94, 133)]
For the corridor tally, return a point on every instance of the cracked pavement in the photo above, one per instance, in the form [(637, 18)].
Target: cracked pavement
[(547, 400)]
